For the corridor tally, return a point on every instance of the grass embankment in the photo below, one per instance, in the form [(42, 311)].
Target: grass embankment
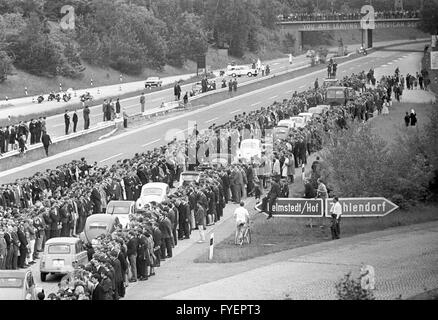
[(280, 234)]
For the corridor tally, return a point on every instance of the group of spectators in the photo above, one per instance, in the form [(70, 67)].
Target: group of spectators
[(353, 15), (17, 136), (58, 201)]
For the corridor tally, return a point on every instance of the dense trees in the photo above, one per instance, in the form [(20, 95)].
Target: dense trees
[(130, 35)]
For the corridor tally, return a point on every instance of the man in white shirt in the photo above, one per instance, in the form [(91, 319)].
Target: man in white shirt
[(242, 218), (336, 212)]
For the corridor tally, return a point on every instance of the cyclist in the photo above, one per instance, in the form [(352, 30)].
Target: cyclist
[(242, 218)]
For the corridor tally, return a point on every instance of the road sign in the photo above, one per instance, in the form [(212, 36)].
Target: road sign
[(296, 207), (434, 60), (362, 207)]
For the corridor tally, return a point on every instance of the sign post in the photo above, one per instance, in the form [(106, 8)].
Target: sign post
[(210, 254), (296, 207), (362, 207)]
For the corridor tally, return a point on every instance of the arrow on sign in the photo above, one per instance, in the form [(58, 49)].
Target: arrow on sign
[(362, 207), (295, 207)]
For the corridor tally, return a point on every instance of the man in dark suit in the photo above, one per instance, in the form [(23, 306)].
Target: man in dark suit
[(46, 142), (15, 245), (132, 246), (273, 194), (86, 113), (75, 121), (98, 292), (66, 121), (23, 248)]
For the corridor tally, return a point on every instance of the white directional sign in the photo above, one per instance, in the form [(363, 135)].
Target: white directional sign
[(296, 207), (362, 207)]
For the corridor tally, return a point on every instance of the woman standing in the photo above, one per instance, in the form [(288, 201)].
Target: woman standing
[(385, 110)]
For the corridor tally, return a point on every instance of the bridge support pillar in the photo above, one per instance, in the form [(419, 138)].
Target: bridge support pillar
[(298, 42), (367, 38)]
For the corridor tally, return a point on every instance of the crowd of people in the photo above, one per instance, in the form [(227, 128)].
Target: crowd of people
[(58, 201), (17, 136), (352, 15)]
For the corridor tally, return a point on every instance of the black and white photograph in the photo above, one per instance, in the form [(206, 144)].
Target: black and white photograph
[(216, 156)]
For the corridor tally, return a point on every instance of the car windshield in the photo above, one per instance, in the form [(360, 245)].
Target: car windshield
[(11, 282), (118, 210), (297, 119), (249, 145), (190, 176), (335, 94), (59, 248), (151, 192)]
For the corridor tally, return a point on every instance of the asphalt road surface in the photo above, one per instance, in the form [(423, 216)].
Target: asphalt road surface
[(153, 135)]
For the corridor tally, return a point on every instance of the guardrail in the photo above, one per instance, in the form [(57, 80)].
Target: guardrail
[(99, 126)]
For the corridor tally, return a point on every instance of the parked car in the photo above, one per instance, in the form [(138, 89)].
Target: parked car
[(153, 191), (307, 116), (62, 255), (222, 159), (122, 210), (98, 224), (153, 82), (250, 148), (238, 71), (330, 83), (319, 109), (17, 285), (188, 177)]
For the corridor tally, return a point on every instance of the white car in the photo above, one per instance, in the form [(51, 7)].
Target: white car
[(306, 115), (122, 210), (319, 109), (153, 191), (187, 177), (250, 148), (238, 71), (153, 82)]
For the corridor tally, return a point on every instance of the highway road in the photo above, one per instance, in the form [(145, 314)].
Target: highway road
[(135, 140), (152, 135), (55, 124)]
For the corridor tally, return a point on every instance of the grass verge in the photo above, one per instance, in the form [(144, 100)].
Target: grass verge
[(279, 234)]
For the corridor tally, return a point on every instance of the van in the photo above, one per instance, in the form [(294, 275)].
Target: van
[(62, 255), (339, 95), (238, 71)]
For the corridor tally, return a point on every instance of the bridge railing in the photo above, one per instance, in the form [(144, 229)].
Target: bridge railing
[(347, 16)]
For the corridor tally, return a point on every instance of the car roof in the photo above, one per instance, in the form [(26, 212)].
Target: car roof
[(13, 273), (150, 78), (68, 240), (121, 203), (336, 88), (251, 140), (191, 172), (155, 185), (98, 217), (305, 114)]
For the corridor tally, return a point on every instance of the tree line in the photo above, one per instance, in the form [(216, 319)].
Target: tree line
[(130, 35)]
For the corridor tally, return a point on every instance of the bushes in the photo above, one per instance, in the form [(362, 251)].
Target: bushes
[(362, 164), (350, 289)]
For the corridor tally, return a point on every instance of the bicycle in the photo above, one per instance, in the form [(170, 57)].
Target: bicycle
[(244, 235)]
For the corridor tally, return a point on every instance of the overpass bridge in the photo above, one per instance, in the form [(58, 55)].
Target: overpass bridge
[(296, 28)]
